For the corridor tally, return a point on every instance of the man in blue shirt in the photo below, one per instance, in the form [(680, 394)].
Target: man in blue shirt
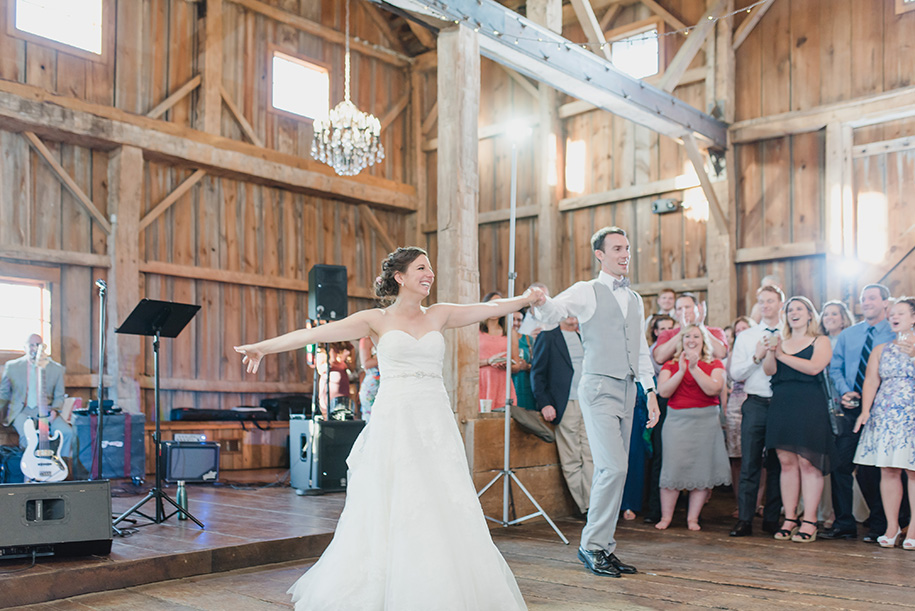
[(849, 361)]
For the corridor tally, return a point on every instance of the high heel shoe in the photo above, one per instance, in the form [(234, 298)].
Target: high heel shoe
[(783, 534), (802, 537), (909, 544), (885, 541)]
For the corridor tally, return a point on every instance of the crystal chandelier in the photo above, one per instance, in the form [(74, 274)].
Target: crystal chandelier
[(348, 140)]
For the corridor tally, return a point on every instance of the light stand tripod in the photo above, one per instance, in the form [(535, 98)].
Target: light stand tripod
[(158, 319), (96, 472), (507, 473)]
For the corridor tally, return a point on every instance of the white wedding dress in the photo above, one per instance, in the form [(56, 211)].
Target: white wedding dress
[(412, 536)]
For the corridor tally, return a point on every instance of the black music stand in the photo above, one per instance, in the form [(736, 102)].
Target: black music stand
[(158, 319)]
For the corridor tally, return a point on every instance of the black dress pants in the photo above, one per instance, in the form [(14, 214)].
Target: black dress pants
[(753, 458)]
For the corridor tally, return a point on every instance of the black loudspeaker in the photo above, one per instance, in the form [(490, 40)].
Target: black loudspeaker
[(184, 461), (65, 518), (318, 450), (327, 292)]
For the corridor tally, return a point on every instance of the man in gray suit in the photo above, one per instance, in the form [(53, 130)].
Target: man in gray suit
[(19, 393), (611, 318)]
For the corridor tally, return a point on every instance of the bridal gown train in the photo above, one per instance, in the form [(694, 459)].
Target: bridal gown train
[(412, 536)]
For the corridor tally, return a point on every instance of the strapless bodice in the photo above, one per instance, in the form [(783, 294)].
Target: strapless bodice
[(400, 355)]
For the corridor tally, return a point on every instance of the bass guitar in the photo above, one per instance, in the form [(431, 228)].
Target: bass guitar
[(41, 461)]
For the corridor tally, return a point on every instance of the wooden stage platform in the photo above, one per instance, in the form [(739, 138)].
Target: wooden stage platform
[(259, 540)]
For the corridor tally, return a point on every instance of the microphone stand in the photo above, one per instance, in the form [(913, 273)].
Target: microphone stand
[(97, 450)]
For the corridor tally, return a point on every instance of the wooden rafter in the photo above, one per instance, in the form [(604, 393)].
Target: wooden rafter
[(375, 224), (669, 18), (383, 25), (430, 118), (747, 25), (240, 118), (171, 198), (691, 47), (489, 131), (698, 160), (395, 111), (181, 93), (522, 81), (590, 26), (607, 20), (67, 180), (424, 36)]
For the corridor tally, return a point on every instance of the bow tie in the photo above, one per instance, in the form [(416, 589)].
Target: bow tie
[(624, 283)]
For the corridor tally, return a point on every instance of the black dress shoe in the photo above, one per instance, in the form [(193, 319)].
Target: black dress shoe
[(743, 528), (651, 519), (627, 569), (770, 527), (870, 537), (835, 533), (598, 563)]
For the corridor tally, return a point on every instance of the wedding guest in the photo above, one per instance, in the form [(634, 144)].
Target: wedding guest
[(656, 324), (493, 344), (834, 319), (524, 351), (733, 415), (694, 455), (888, 420), (338, 377), (798, 427), (368, 386), (689, 311), (665, 303), (770, 280)]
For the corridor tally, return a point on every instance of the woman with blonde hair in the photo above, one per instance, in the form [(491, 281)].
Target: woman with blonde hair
[(798, 427), (694, 457), (835, 318)]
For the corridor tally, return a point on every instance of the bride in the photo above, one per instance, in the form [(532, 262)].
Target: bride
[(412, 536)]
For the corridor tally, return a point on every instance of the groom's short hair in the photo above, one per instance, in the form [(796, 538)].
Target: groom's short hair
[(597, 240)]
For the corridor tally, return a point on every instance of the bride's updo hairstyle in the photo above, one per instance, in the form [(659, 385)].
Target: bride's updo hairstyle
[(386, 287)]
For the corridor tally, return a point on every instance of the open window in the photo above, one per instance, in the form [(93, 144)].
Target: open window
[(24, 309), (299, 88), (637, 48), (77, 27)]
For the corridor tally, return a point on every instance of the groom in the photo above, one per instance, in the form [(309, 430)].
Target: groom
[(610, 316)]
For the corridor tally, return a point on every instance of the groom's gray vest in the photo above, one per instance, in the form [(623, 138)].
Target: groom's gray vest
[(611, 342)]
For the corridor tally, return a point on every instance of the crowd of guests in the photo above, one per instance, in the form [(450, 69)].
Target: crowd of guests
[(788, 405)]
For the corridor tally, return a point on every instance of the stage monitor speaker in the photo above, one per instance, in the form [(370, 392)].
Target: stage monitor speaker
[(327, 292), (64, 518), (318, 450), (184, 461)]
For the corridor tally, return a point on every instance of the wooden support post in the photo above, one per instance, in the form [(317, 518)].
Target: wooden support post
[(458, 202), (690, 48), (418, 157), (212, 68), (839, 222), (125, 197), (549, 143), (591, 27)]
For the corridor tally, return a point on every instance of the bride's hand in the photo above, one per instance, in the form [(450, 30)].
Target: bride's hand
[(535, 296), (251, 356)]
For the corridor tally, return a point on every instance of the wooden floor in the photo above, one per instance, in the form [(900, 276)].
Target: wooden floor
[(679, 568)]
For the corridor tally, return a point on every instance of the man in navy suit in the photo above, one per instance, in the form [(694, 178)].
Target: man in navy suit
[(555, 372)]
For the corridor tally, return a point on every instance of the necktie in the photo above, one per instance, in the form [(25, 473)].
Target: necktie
[(865, 355), (624, 283), (768, 330)]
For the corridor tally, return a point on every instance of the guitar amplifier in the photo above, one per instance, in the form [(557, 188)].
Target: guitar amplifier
[(184, 461), (318, 452), (123, 450)]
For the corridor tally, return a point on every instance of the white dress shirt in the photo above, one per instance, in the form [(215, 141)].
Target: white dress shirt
[(579, 301), (743, 368)]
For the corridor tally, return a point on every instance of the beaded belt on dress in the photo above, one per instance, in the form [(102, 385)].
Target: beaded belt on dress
[(413, 374)]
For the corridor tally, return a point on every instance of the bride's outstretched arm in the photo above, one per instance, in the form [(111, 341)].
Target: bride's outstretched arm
[(350, 328), (460, 315)]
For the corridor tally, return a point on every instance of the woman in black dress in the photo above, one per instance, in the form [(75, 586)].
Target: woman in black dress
[(798, 426)]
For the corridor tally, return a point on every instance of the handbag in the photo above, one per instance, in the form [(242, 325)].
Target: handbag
[(833, 401), (531, 422)]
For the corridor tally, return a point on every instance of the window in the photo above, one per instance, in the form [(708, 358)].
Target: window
[(576, 159), (24, 309), (904, 6), (74, 23), (299, 87), (638, 54)]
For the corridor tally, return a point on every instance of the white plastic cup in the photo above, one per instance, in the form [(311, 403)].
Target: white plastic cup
[(485, 406)]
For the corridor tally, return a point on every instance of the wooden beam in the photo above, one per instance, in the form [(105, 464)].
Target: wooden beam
[(170, 199), (430, 118), (488, 131), (525, 84), (379, 229), (418, 159), (426, 61), (839, 206), (125, 197), (382, 24), (667, 185), (52, 256), (500, 216), (607, 20), (690, 77), (895, 145), (316, 29), (212, 68), (67, 180), (228, 277), (688, 51), (539, 53), (240, 118), (424, 36), (594, 33), (778, 252), (395, 111), (747, 25), (181, 93), (858, 112), (29, 108), (90, 380), (680, 286), (668, 17), (698, 160)]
